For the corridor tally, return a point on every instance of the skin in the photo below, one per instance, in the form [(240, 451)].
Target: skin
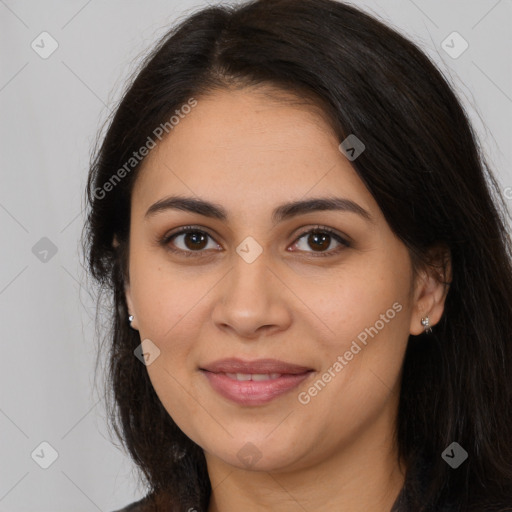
[(250, 153)]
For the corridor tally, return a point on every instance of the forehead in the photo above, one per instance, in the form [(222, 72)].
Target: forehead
[(249, 148)]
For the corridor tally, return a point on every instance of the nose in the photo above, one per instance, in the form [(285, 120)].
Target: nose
[(251, 300)]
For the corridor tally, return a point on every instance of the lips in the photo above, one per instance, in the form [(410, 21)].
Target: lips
[(254, 382), (259, 366), (253, 376)]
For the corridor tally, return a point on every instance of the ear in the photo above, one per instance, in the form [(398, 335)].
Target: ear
[(431, 287), (131, 309), (127, 293)]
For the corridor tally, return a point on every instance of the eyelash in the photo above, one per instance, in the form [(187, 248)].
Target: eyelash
[(195, 229)]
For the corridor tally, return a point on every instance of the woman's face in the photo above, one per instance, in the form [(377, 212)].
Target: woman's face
[(249, 282)]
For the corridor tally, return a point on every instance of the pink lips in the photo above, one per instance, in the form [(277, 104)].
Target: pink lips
[(269, 378)]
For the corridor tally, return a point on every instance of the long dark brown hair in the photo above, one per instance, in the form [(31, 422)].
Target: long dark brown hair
[(427, 172)]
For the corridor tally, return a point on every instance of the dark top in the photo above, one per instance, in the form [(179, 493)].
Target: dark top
[(147, 505)]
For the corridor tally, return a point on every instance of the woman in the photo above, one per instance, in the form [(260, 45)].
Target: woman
[(310, 269)]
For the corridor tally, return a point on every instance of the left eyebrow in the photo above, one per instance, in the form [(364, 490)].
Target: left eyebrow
[(294, 208), (281, 213)]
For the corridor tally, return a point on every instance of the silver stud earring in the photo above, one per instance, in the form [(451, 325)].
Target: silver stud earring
[(130, 319), (426, 323)]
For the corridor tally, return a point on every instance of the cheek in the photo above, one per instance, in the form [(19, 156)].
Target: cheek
[(166, 302), (367, 315), (355, 299), (360, 372), (168, 306)]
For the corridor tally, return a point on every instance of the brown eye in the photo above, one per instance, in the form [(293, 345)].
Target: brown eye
[(195, 240), (189, 242), (320, 241)]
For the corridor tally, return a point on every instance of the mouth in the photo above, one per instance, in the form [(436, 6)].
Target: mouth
[(253, 376), (254, 382)]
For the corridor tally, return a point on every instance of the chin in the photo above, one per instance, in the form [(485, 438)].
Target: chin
[(260, 455)]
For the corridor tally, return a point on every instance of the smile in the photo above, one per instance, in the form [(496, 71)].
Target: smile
[(253, 376), (251, 389)]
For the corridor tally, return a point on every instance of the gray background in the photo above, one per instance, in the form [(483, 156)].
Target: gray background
[(51, 111)]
